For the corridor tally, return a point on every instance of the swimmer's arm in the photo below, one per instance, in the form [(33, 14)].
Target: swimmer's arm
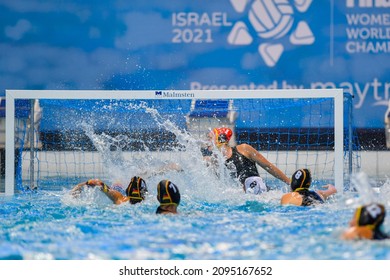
[(170, 167), (78, 188), (271, 168), (211, 161), (115, 196), (253, 154), (163, 169), (93, 183), (330, 190)]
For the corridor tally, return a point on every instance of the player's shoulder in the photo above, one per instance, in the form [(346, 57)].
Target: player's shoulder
[(244, 147), (358, 232), (292, 198)]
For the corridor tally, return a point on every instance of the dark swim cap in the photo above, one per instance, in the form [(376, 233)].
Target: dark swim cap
[(168, 193), (136, 190), (370, 215), (301, 179)]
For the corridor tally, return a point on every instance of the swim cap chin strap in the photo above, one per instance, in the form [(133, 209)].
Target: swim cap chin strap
[(300, 189)]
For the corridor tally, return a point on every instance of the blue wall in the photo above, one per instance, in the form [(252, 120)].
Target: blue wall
[(186, 44)]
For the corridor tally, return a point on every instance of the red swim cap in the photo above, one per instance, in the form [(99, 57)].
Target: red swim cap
[(222, 135)]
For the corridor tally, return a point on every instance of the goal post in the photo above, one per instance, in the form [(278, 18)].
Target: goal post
[(285, 125)]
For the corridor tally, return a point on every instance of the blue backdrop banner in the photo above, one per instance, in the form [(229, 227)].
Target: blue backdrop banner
[(202, 44)]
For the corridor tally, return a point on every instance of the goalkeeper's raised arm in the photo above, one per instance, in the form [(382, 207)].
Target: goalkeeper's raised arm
[(243, 159)]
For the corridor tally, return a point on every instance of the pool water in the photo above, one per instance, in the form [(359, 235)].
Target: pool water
[(214, 222)]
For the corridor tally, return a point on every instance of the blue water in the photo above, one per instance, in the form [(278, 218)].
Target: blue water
[(216, 220), (214, 223)]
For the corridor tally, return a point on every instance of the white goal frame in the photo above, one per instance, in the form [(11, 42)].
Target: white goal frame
[(13, 95)]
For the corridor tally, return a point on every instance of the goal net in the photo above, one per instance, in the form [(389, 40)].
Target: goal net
[(73, 136)]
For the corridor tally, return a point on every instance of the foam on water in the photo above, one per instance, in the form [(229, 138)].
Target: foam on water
[(47, 225)]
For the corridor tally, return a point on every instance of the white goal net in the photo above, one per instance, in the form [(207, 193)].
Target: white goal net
[(76, 135)]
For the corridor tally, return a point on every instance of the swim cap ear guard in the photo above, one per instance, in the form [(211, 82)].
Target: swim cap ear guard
[(168, 193), (370, 215), (222, 135), (136, 190), (301, 179)]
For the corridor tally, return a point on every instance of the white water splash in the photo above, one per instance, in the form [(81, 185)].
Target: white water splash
[(196, 179), (367, 190)]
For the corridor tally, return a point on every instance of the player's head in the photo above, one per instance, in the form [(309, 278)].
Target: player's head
[(136, 190), (222, 135), (168, 193), (371, 215), (301, 179)]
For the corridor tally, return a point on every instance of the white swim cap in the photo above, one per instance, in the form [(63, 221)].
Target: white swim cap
[(255, 185)]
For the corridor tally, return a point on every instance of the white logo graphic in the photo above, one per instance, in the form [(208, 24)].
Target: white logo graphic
[(271, 20), (369, 3)]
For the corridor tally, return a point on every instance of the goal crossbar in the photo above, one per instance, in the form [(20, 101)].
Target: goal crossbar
[(13, 95)]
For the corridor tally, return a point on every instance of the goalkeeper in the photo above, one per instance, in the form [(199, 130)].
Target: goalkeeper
[(241, 160)]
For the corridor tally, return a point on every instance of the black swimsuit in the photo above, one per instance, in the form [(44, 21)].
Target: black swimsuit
[(309, 197), (379, 235), (244, 167)]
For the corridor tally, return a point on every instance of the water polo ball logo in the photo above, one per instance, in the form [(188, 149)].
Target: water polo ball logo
[(270, 20)]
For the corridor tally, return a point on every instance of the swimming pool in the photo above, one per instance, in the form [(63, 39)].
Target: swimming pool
[(215, 222)]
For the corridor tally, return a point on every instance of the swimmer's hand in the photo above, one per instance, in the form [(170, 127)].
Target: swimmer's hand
[(97, 182), (330, 188), (94, 182)]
